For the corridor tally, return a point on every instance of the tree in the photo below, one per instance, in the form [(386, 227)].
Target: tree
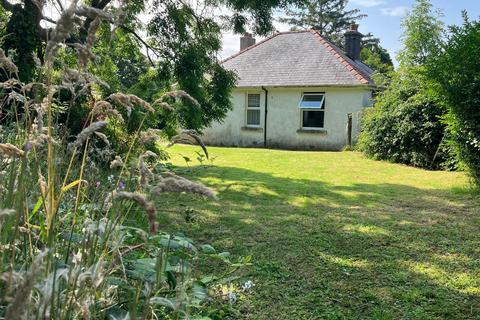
[(375, 56), (182, 45), (455, 72), (422, 36), (405, 123), (329, 17)]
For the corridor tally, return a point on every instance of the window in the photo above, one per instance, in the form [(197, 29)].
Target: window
[(253, 110), (312, 107)]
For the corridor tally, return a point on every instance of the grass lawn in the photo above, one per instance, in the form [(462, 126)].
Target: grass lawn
[(338, 236)]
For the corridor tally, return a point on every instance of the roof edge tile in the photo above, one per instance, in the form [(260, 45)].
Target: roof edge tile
[(340, 56)]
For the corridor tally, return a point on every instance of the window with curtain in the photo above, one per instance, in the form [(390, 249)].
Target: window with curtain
[(253, 110)]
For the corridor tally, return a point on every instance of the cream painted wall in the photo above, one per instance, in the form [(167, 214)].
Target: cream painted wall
[(284, 119)]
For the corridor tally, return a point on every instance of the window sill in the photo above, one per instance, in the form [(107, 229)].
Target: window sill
[(312, 131), (252, 129)]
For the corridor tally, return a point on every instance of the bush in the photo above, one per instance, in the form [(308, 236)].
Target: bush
[(405, 126), (456, 75)]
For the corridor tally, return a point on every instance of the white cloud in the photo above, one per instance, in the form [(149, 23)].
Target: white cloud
[(368, 3), (395, 11)]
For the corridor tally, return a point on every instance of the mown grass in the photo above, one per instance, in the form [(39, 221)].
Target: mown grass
[(338, 236)]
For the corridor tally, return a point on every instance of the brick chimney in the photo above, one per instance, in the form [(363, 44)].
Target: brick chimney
[(247, 41), (353, 40)]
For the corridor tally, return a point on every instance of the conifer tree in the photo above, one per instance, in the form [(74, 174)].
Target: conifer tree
[(329, 17)]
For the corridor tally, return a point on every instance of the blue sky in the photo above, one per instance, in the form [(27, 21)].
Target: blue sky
[(384, 20)]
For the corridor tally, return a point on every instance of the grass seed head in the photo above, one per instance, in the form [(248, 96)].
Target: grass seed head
[(87, 132), (11, 151), (146, 205)]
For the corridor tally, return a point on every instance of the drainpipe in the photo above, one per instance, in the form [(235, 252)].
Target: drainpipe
[(265, 122)]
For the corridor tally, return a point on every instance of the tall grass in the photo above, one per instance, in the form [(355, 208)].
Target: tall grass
[(71, 239)]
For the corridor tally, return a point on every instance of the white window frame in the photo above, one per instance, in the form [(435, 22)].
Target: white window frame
[(259, 109), (322, 108)]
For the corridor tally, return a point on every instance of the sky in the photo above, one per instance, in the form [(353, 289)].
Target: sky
[(383, 21)]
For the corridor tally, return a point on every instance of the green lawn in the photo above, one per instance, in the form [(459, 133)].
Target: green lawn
[(338, 236)]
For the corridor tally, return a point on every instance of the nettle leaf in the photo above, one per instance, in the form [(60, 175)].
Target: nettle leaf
[(208, 249), (143, 269)]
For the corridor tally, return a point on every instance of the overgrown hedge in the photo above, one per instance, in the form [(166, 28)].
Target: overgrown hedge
[(456, 76), (405, 126)]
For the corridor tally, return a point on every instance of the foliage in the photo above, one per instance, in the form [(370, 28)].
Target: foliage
[(405, 124), (330, 18), (79, 239), (455, 72), (21, 36), (422, 34), (375, 56), (181, 42)]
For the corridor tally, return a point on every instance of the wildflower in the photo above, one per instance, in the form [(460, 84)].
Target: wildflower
[(98, 184), (248, 285), (232, 297), (11, 151), (121, 185), (110, 178)]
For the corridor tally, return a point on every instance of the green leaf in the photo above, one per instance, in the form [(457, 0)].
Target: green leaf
[(206, 248)]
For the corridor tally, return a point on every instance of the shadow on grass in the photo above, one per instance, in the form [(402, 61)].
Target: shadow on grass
[(323, 251)]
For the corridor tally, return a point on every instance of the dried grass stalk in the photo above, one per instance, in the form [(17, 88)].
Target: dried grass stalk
[(180, 94), (65, 25), (87, 132), (7, 64), (183, 138), (16, 309), (129, 100), (146, 205), (174, 183), (11, 151), (117, 163), (144, 170)]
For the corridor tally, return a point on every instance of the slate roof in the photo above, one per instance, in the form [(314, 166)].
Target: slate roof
[(297, 59)]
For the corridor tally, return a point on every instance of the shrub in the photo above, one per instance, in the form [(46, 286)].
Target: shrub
[(405, 125), (456, 75)]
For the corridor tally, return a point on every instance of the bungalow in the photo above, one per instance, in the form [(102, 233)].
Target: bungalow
[(295, 90)]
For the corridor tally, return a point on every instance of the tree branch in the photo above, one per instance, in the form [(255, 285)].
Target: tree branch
[(60, 4), (139, 38)]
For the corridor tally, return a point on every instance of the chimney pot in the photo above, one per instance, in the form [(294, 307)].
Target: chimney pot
[(247, 41), (353, 40)]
